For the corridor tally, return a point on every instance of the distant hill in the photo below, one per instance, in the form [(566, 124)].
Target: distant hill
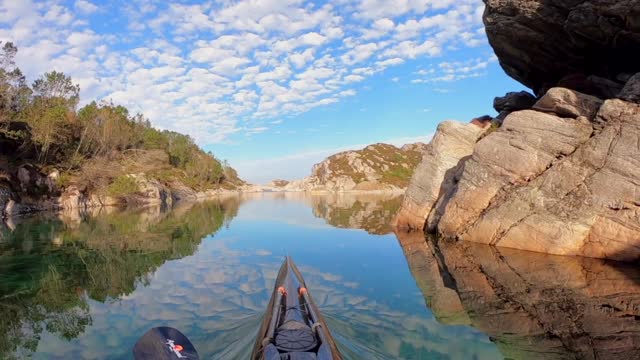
[(378, 167)]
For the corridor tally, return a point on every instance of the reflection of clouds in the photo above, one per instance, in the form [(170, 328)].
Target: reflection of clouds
[(218, 295)]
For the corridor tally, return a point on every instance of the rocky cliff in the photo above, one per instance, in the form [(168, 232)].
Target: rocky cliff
[(558, 173), (378, 167)]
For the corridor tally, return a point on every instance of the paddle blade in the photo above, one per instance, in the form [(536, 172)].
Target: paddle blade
[(164, 343)]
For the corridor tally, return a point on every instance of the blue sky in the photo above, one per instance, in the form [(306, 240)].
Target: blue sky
[(272, 86)]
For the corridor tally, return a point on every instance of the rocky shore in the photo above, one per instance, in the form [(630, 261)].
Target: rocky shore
[(556, 172), (149, 192)]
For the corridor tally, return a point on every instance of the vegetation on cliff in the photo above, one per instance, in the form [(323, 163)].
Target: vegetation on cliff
[(42, 125), (375, 164)]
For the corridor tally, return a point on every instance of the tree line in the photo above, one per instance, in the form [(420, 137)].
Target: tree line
[(42, 123)]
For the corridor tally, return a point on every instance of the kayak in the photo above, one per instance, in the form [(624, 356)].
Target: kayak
[(293, 328)]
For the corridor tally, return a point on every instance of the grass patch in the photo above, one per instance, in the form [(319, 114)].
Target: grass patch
[(398, 176), (122, 186)]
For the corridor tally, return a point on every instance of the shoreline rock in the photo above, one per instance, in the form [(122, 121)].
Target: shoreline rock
[(561, 178), (562, 175), (452, 143), (151, 193)]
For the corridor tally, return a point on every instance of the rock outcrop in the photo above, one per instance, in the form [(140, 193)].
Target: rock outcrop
[(532, 306), (150, 192), (452, 143), (555, 185), (561, 179), (560, 176), (38, 192), (378, 167), (582, 45)]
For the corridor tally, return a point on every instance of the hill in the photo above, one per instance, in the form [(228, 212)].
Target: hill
[(377, 167)]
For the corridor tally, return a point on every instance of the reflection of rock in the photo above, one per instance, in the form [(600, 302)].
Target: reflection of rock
[(438, 290), (535, 305), (370, 212)]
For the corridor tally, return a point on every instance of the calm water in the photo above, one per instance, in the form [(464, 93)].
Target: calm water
[(86, 287)]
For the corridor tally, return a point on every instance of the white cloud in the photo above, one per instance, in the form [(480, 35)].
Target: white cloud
[(85, 7), (372, 9), (454, 71), (207, 68)]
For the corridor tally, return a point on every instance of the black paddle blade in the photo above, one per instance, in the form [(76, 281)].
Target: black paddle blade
[(164, 343)]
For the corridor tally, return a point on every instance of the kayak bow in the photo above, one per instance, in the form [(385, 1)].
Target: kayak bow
[(293, 327)]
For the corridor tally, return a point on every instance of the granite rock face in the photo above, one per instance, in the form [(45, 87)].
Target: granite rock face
[(532, 306), (555, 185), (562, 178), (540, 42), (452, 143)]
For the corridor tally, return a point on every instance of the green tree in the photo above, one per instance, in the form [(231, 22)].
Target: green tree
[(14, 92), (57, 86)]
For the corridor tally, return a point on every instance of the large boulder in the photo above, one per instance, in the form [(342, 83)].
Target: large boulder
[(526, 145), (631, 91), (514, 101), (568, 103), (451, 145), (551, 184), (540, 42), (150, 192), (181, 192)]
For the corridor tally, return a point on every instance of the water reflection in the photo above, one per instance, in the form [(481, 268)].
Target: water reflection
[(372, 212), (88, 285), (51, 270), (533, 306)]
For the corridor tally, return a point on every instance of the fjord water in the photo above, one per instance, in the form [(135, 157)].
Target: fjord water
[(86, 286), (83, 287)]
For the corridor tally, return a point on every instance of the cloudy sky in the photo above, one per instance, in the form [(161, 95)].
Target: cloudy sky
[(272, 86)]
